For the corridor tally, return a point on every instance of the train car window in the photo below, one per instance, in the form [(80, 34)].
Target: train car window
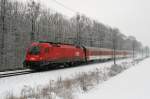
[(46, 50), (35, 50)]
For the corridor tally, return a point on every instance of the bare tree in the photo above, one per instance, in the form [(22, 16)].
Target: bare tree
[(78, 38), (115, 33), (34, 11), (100, 31), (147, 51), (3, 30), (134, 45)]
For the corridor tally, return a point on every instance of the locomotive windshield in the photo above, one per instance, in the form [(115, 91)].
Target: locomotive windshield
[(35, 50)]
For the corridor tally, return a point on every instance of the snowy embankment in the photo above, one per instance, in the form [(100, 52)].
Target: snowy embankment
[(133, 83), (16, 83)]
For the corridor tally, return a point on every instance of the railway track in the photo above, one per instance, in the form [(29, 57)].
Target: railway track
[(22, 72), (15, 73)]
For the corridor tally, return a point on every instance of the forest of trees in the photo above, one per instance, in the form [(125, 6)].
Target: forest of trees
[(23, 23)]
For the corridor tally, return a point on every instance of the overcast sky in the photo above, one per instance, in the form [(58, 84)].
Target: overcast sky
[(132, 17)]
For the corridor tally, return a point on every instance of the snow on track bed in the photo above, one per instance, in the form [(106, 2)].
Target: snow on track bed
[(16, 83), (14, 71)]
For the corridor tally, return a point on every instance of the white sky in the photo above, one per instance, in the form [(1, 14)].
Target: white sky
[(132, 17)]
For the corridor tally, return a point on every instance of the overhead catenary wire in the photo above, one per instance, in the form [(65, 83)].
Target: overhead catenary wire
[(64, 6)]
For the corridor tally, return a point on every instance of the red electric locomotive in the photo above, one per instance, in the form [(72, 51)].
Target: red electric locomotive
[(42, 54)]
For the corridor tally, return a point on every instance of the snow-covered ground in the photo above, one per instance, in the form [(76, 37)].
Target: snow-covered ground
[(16, 83), (133, 83)]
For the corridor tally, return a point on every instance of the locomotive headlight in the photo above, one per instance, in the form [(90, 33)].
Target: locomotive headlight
[(32, 58)]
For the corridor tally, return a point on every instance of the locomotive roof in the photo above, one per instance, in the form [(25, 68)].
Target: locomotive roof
[(58, 44), (55, 44)]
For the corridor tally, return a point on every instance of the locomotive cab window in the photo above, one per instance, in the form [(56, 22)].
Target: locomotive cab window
[(35, 50)]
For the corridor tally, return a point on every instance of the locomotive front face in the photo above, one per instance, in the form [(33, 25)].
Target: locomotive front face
[(37, 55), (34, 54)]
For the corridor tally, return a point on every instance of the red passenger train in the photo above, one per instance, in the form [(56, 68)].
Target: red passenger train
[(43, 54)]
